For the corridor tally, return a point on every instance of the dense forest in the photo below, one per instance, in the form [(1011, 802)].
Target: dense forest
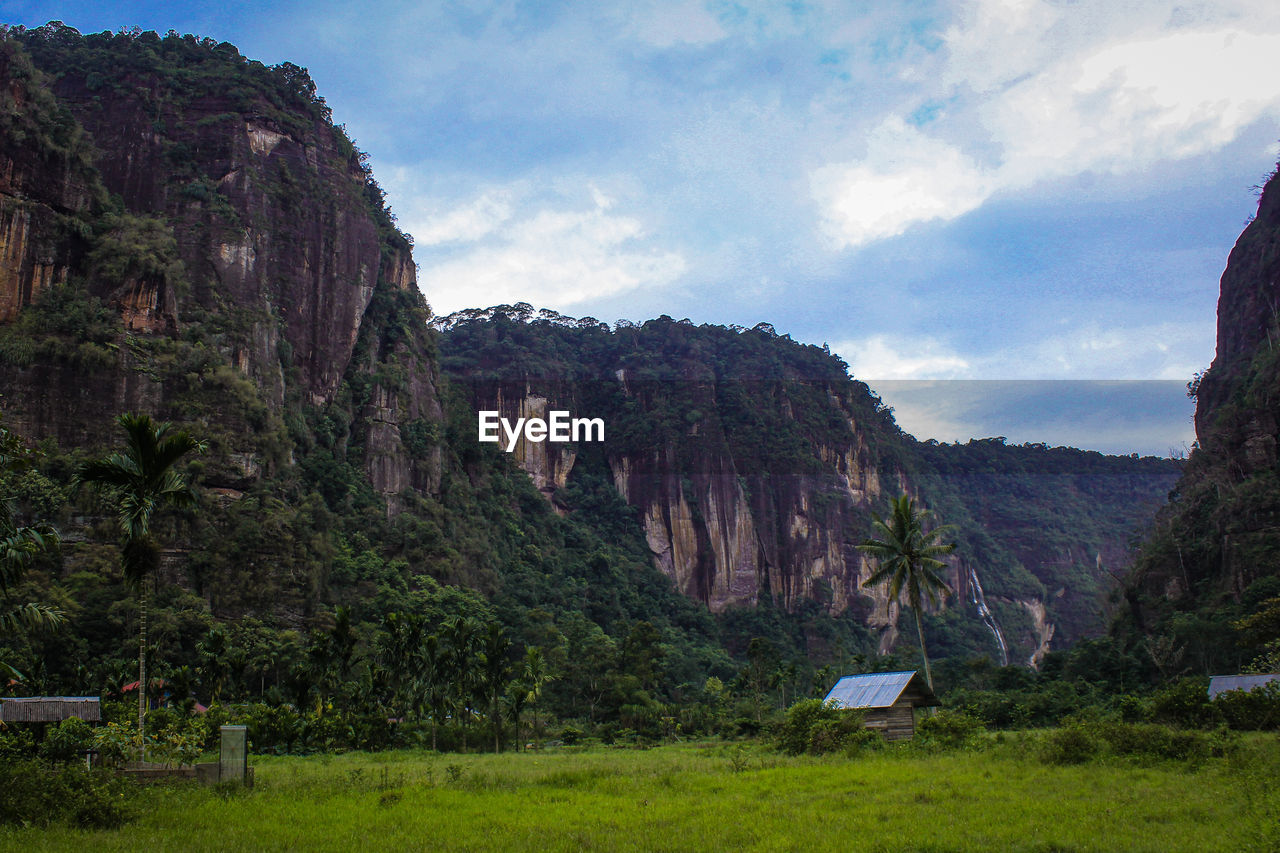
[(196, 239)]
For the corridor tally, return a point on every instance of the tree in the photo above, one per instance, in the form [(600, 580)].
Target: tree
[(139, 481), (19, 546), (535, 676), (494, 677), (908, 556)]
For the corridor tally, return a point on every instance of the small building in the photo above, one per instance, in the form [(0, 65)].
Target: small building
[(1219, 684), (50, 709), (889, 698)]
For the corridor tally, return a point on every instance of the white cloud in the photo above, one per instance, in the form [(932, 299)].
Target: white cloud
[(1040, 91), (1093, 351), (467, 223), (906, 178), (551, 252), (878, 357)]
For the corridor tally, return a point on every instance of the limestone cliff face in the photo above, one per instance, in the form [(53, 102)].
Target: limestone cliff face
[(46, 186), (245, 215), (1248, 329), (1217, 537), (727, 532), (235, 208)]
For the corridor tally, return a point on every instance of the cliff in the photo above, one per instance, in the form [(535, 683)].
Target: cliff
[(186, 232), (244, 231), (1212, 559), (754, 465)]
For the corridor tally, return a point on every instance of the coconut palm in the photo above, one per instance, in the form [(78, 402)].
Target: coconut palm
[(908, 556), (139, 481)]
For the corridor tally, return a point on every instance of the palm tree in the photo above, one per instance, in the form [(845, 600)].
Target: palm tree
[(139, 481), (535, 676), (908, 558), (493, 674)]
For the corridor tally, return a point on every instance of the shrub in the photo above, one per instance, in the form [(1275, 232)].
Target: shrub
[(37, 794), (1184, 703), (16, 744), (949, 730), (65, 741), (116, 743), (1258, 709), (814, 727), (1072, 744)]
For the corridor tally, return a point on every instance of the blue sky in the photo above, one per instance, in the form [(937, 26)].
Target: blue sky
[(939, 190)]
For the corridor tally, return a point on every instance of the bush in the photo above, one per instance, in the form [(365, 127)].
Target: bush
[(1084, 738), (16, 744), (37, 794), (67, 740), (1256, 710), (1185, 703), (949, 730), (1072, 744), (814, 727)]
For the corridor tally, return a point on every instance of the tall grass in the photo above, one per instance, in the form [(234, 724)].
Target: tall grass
[(710, 797)]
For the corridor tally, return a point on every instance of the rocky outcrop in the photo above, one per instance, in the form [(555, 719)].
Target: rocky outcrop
[(245, 213), (46, 186)]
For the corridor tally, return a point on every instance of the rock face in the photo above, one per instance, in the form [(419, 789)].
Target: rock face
[(250, 233), (46, 185), (1216, 539), (754, 465), (1248, 329), (690, 445)]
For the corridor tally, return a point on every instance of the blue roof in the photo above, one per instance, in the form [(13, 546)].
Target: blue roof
[(870, 690), (1223, 683)]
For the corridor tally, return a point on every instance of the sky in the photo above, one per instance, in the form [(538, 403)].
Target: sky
[(975, 191)]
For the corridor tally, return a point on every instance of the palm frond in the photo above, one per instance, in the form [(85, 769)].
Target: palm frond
[(30, 617)]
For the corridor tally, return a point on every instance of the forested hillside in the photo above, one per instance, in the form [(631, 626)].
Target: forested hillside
[(187, 233)]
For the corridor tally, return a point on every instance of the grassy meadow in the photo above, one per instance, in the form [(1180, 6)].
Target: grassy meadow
[(708, 797)]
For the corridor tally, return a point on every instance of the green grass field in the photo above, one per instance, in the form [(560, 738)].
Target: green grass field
[(707, 797)]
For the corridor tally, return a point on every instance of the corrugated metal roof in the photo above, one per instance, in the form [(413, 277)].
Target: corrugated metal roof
[(1223, 683), (49, 709), (871, 690)]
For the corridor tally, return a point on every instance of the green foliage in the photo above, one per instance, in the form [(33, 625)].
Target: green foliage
[(64, 324), (811, 726), (67, 740), (948, 729), (36, 794), (1086, 737)]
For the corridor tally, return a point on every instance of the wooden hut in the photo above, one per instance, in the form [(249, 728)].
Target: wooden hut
[(50, 709), (889, 698)]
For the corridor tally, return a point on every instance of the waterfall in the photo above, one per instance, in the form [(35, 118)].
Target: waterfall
[(976, 596)]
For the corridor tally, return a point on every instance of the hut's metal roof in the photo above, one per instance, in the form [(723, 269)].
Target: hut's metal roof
[(1223, 683), (875, 690), (49, 709)]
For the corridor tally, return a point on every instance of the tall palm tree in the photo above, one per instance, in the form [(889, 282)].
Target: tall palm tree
[(908, 556), (493, 676), (139, 481)]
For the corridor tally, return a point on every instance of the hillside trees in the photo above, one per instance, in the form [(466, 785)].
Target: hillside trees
[(20, 544)]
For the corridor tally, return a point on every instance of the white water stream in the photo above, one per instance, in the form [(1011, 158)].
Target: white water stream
[(976, 596)]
